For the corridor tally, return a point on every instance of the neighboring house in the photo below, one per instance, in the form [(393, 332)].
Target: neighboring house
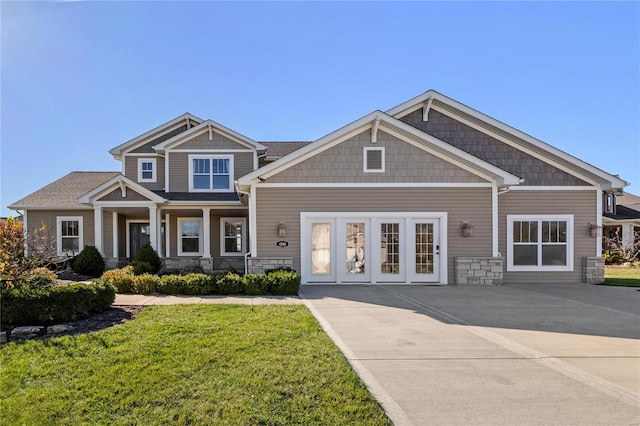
[(430, 191), (621, 218)]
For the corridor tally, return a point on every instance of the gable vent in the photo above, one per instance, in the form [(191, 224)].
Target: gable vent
[(373, 159)]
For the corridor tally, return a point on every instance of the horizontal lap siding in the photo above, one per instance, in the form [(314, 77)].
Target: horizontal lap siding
[(131, 171), (107, 234), (581, 204), (471, 205), (35, 219)]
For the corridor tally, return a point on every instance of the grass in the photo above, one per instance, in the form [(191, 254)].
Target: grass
[(624, 277), (188, 364)]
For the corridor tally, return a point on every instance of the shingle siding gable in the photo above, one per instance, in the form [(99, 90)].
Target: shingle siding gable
[(535, 172), (148, 147)]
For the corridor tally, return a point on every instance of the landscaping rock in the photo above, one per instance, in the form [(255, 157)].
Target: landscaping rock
[(26, 331), (59, 328)]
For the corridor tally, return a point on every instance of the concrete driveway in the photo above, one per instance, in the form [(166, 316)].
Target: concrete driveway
[(503, 355)]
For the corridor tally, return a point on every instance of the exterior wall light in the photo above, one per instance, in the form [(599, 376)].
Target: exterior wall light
[(282, 229), (595, 230), (467, 229)]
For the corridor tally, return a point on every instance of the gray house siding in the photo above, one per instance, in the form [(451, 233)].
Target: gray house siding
[(403, 163), (581, 204), (201, 141), (131, 171), (179, 168), (148, 147), (35, 219), (535, 172), (471, 205), (116, 195)]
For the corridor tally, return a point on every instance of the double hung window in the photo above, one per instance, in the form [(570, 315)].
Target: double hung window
[(210, 173), (232, 230), (69, 234), (146, 169), (539, 243), (189, 236)]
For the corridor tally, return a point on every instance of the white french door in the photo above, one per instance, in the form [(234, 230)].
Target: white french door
[(372, 247)]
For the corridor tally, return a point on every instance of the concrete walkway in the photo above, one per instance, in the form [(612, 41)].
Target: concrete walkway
[(505, 355)]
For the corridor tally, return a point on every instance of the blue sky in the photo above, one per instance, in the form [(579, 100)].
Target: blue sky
[(79, 78)]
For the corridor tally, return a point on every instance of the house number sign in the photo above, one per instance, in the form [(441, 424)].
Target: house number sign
[(282, 243)]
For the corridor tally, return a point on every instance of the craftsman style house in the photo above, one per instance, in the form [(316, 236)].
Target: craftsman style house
[(430, 191)]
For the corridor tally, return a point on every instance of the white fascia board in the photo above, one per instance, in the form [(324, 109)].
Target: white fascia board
[(155, 132), (204, 127), (311, 149), (418, 101), (112, 184), (49, 207), (218, 205)]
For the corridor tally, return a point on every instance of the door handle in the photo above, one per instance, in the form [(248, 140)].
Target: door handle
[(438, 249)]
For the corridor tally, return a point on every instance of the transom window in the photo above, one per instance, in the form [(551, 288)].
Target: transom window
[(538, 243), (146, 169), (233, 231), (69, 234), (211, 173), (189, 236)]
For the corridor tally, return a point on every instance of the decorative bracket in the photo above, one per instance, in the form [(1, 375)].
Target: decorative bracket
[(210, 132), (374, 131), (123, 189), (427, 107)]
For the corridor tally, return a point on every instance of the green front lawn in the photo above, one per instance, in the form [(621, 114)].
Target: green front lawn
[(619, 276), (189, 364)]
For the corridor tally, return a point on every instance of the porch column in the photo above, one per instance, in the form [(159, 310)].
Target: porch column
[(97, 226), (167, 234), (114, 223), (206, 233), (627, 235), (153, 227)]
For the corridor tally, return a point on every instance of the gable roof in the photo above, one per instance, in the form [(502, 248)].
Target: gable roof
[(64, 192), (505, 133), (379, 120), (276, 149), (116, 182), (155, 133), (209, 125)]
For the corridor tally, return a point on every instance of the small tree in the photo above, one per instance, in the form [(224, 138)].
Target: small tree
[(625, 251), (149, 255), (13, 264)]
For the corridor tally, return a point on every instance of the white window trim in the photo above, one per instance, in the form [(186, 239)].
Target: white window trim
[(540, 268), (181, 220), (211, 157), (244, 236), (59, 220), (153, 178), (365, 153)]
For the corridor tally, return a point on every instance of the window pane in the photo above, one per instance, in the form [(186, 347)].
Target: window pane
[(517, 234), (147, 175), (355, 245), (220, 165), (554, 255), (390, 248), (190, 229), (200, 165), (562, 232), (147, 166), (525, 255), (69, 228), (201, 182), (321, 248), (190, 245), (70, 244), (233, 244), (221, 182)]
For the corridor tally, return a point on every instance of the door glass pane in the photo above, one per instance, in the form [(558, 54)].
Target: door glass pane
[(321, 248), (355, 248), (424, 248), (390, 248)]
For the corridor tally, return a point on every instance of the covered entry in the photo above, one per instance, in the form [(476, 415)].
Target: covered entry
[(373, 247)]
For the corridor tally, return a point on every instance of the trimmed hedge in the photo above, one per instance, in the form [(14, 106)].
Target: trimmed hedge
[(89, 262), (279, 282), (42, 306)]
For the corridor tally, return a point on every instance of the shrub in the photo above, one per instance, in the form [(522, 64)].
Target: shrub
[(149, 255), (39, 277), (32, 305), (199, 284), (145, 283), (255, 284), (171, 284), (140, 267), (121, 279), (89, 262), (284, 282), (229, 283)]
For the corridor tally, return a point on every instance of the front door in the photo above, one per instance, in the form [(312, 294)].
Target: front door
[(376, 248), (138, 236)]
